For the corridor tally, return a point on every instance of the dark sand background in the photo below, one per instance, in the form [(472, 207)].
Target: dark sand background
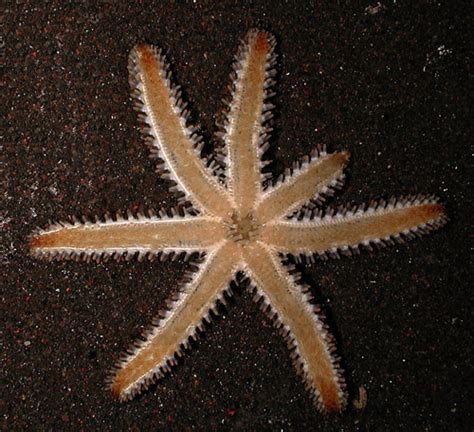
[(387, 81)]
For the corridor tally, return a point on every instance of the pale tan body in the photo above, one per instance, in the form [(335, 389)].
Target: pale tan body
[(240, 226)]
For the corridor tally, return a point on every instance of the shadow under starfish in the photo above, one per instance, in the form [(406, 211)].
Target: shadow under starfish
[(236, 221)]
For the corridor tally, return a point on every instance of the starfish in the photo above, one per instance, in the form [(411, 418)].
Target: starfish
[(235, 224)]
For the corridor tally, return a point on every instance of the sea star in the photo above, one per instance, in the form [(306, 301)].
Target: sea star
[(236, 222)]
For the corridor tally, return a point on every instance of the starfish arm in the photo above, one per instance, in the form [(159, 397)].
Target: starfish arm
[(152, 357), (316, 176), (170, 138), (245, 133), (142, 235), (306, 335), (380, 223)]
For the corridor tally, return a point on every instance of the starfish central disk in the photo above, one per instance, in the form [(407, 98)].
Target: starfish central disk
[(234, 222), (244, 229)]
